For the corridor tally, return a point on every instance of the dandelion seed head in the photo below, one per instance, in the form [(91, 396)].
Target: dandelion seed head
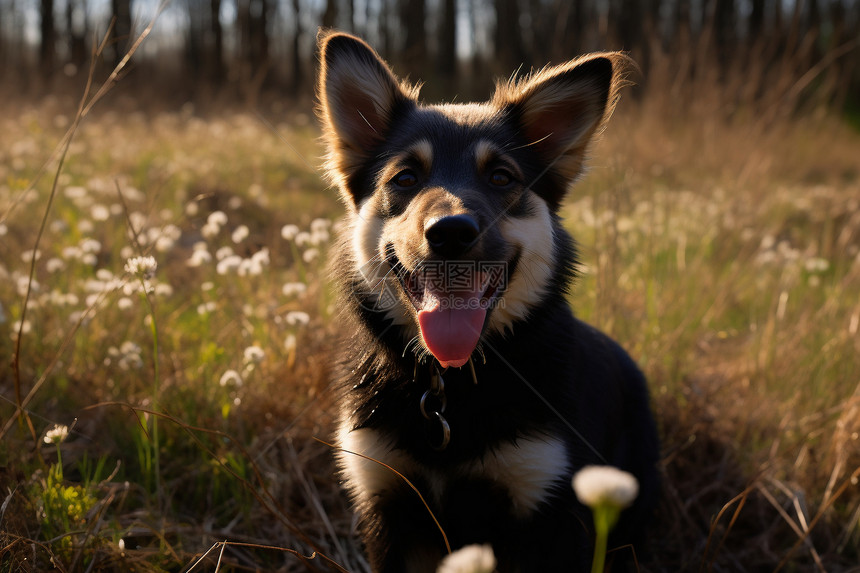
[(254, 355), (289, 232), (240, 233), (231, 377), (294, 289), (298, 317), (605, 485), (469, 559), (141, 266), (56, 435), (310, 255)]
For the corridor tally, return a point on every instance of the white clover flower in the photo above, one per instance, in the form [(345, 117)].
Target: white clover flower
[(254, 355), (56, 435), (231, 377), (297, 317), (198, 257), (320, 225), (597, 486), (294, 289), (309, 255), (30, 255), (289, 232), (208, 231), (164, 244), (228, 264), (303, 238), (240, 233), (217, 218), (223, 253), (469, 559), (261, 257), (816, 265), (100, 213), (141, 266), (249, 267)]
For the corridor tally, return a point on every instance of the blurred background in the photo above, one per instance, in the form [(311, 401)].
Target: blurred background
[(777, 55)]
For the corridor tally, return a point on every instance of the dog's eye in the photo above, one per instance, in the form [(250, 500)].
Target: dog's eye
[(405, 179), (501, 178)]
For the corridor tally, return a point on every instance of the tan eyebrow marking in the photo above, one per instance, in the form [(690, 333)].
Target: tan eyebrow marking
[(486, 152), (422, 150)]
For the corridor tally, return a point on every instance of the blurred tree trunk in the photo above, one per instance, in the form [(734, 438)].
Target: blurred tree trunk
[(329, 16), (448, 44), (724, 31), (217, 55), (121, 13), (48, 41), (508, 38), (77, 30), (412, 17), (297, 82)]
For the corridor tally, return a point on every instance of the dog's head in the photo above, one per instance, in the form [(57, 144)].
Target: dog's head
[(453, 208)]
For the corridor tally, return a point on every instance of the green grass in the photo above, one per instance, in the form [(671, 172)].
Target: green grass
[(724, 257)]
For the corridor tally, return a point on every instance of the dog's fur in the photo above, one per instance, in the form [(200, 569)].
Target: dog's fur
[(533, 394)]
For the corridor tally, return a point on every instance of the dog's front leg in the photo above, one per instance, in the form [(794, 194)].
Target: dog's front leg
[(400, 534)]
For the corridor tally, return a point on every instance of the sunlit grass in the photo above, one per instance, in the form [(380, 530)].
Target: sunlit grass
[(724, 259)]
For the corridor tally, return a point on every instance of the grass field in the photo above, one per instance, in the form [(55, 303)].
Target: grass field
[(724, 255)]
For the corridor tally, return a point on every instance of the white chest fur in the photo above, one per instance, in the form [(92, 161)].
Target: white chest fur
[(527, 469)]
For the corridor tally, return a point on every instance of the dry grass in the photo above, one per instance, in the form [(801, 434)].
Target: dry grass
[(724, 254)]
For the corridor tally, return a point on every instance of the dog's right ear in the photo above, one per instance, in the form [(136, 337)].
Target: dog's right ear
[(358, 98)]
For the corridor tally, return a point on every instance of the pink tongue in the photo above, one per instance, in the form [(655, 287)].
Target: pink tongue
[(451, 324)]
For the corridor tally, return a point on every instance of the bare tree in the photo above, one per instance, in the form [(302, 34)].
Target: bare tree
[(48, 41)]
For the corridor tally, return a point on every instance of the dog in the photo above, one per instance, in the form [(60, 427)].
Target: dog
[(469, 394)]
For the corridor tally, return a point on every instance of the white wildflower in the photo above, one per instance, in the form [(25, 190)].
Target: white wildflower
[(85, 226), (100, 213), (198, 257), (206, 308), (56, 435), (469, 559), (229, 264), (223, 253), (124, 303), (605, 485), (816, 265), (294, 289), (30, 255), (254, 355), (289, 232), (297, 317), (141, 266), (303, 238), (218, 218), (231, 377), (240, 233), (309, 255)]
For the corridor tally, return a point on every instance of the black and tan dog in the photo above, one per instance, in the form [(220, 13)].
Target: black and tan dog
[(463, 367)]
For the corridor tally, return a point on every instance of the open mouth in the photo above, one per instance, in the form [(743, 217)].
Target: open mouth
[(452, 300)]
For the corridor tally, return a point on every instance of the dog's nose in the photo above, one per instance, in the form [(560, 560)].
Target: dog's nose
[(451, 236)]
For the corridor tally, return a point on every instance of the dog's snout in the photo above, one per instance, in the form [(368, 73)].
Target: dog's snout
[(452, 235)]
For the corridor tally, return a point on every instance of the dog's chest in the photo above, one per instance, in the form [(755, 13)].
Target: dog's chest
[(529, 470)]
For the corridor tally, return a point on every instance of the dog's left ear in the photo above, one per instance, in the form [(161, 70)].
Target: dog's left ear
[(561, 108)]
